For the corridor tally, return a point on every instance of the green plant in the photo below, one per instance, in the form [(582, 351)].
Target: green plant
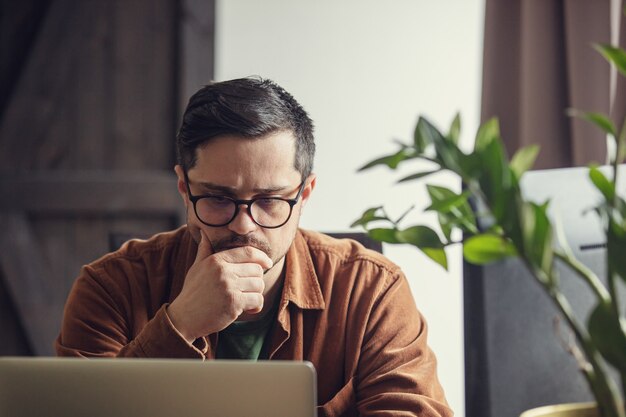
[(521, 228)]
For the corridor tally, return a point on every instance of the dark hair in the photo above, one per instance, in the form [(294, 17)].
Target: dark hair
[(247, 107)]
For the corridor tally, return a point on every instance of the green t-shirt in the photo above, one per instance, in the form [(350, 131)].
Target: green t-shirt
[(245, 339)]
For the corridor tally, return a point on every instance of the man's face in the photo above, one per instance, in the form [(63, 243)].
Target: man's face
[(243, 168)]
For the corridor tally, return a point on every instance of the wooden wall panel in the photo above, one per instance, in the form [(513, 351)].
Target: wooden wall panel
[(19, 25), (99, 90), (197, 49), (40, 88), (28, 277), (143, 94), (92, 90)]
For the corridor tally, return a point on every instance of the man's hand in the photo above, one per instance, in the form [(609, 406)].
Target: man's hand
[(218, 288)]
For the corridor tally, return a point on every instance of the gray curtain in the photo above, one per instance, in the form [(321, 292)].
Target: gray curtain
[(538, 62)]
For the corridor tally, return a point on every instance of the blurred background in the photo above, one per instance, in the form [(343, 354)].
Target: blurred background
[(91, 94)]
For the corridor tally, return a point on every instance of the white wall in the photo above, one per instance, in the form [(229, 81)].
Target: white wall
[(364, 70)]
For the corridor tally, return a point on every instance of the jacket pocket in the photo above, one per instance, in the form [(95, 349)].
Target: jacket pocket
[(342, 404)]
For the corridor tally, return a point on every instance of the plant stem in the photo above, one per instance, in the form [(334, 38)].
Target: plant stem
[(587, 274), (601, 385), (623, 380), (611, 277)]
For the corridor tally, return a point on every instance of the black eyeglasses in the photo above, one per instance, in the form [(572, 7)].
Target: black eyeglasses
[(267, 212)]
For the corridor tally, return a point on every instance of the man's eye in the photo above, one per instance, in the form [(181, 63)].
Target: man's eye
[(219, 200), (268, 202)]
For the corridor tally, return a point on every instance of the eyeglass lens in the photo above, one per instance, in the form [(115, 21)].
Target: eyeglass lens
[(269, 212)]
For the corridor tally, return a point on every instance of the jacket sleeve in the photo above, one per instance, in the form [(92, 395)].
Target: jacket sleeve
[(98, 321), (397, 371)]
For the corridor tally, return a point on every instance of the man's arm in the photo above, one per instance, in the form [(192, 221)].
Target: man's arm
[(397, 372), (97, 323), (108, 312)]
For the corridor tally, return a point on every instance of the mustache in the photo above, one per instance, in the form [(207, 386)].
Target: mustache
[(236, 241)]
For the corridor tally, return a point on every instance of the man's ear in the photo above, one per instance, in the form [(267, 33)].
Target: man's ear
[(308, 189), (182, 187)]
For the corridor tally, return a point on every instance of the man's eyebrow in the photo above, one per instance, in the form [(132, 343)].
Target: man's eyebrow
[(209, 186)]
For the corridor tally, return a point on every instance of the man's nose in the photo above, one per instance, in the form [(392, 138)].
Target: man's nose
[(242, 224)]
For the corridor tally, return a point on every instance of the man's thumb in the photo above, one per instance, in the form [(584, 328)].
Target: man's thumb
[(204, 247)]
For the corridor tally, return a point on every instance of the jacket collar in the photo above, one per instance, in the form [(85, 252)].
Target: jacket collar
[(301, 285)]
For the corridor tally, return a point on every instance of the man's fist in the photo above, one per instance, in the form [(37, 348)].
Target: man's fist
[(218, 288)]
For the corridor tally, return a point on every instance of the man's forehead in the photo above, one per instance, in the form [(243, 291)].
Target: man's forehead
[(236, 165), (278, 187), (271, 152)]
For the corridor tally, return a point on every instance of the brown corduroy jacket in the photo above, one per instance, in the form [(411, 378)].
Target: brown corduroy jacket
[(346, 309)]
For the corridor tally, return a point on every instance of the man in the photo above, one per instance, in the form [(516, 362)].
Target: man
[(240, 280)]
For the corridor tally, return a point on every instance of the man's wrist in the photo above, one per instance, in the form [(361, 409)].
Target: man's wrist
[(172, 316)]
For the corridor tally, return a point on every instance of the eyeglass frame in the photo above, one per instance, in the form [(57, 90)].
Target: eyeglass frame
[(238, 203)]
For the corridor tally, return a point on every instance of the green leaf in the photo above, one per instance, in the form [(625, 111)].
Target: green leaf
[(445, 205), (438, 193), (421, 136), (602, 183), (487, 133), (486, 248), (524, 159), (597, 119), (497, 181), (614, 55), (426, 134), (446, 223), (383, 235), (621, 144), (608, 333), (437, 255), (455, 129), (470, 167), (453, 209), (449, 156), (538, 236), (368, 216), (420, 236), (418, 175), (392, 161), (616, 248)]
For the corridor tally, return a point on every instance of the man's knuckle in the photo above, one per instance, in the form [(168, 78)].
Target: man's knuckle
[(259, 300), (220, 267), (249, 251)]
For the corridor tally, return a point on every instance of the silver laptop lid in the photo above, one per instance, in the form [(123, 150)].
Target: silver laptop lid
[(157, 388)]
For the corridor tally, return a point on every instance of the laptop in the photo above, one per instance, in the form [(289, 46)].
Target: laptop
[(73, 387)]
